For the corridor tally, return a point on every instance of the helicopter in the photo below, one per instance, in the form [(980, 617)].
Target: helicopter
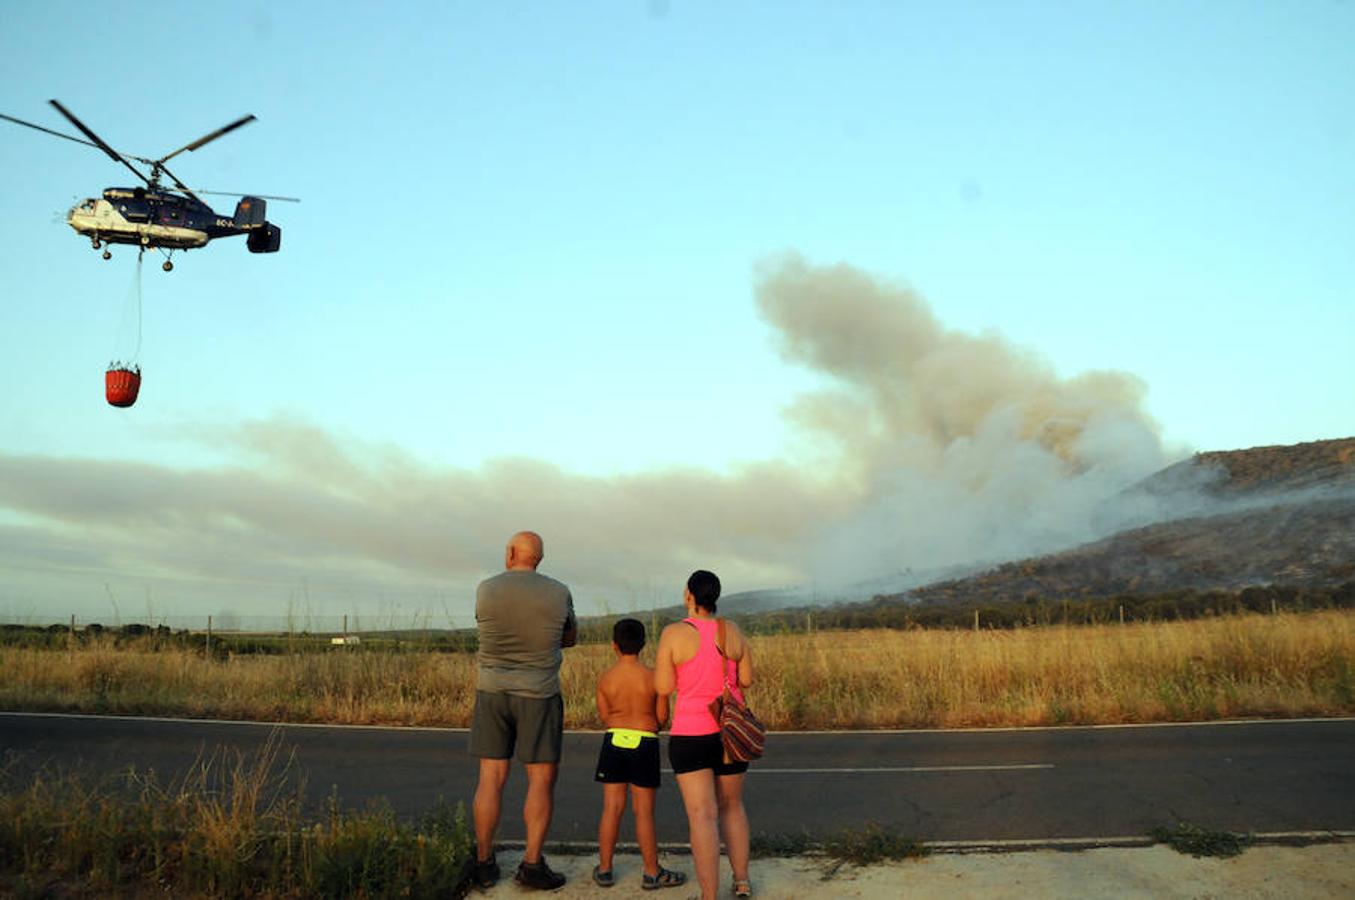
[(155, 217)]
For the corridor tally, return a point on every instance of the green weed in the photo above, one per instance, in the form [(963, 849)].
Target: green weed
[(1197, 841), (871, 844)]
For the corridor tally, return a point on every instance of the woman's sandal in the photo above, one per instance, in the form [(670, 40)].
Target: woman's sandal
[(743, 889), (603, 878), (665, 878)]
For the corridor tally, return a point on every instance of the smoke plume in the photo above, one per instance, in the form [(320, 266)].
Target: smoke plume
[(956, 449)]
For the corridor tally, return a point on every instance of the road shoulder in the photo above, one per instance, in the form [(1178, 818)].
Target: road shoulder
[(1316, 871)]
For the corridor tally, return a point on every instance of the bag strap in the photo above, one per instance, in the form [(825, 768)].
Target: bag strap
[(720, 646)]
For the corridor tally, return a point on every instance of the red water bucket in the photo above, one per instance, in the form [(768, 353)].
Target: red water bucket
[(121, 385)]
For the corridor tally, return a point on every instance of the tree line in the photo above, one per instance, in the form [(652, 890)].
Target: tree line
[(880, 612)]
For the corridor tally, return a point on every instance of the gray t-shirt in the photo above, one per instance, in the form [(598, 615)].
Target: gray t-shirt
[(522, 616)]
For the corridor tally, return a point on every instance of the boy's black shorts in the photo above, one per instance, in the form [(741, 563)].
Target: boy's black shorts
[(621, 765)]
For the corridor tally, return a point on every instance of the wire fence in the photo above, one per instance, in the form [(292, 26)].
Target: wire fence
[(237, 623)]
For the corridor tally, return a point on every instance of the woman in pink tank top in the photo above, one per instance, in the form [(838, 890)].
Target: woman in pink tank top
[(701, 679), (690, 662)]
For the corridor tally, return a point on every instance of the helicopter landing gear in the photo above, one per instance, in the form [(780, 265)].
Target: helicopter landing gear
[(145, 240), (107, 255), (167, 266), (96, 242)]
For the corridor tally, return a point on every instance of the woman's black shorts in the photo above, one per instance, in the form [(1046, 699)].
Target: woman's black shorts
[(692, 752)]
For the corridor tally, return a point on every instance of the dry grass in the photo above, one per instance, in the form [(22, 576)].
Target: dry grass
[(341, 687), (1287, 665), (231, 827), (1252, 665)]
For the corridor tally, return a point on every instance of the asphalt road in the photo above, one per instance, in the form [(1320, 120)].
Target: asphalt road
[(1021, 784)]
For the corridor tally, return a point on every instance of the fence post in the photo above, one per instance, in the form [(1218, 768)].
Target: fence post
[(976, 620), (70, 640), (209, 635), (1121, 613), (1272, 606)]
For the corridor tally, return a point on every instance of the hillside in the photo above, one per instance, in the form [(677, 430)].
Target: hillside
[(1260, 470), (1306, 545), (1280, 515)]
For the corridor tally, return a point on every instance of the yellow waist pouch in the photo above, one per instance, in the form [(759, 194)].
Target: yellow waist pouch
[(628, 738)]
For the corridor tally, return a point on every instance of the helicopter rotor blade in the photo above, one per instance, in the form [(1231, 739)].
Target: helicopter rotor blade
[(98, 141), (225, 129), (132, 156), (48, 131), (248, 194)]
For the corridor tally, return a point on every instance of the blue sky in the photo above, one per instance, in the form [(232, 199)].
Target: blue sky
[(534, 232)]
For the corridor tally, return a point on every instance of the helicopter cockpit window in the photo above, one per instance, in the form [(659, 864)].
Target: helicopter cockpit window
[(87, 206)]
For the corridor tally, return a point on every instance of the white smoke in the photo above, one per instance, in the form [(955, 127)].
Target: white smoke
[(958, 450)]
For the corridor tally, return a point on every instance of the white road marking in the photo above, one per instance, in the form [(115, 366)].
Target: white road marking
[(855, 732), (756, 768), (1109, 727), (874, 770), (888, 769), (185, 720)]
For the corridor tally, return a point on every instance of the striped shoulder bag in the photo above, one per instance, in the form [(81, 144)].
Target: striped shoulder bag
[(742, 733)]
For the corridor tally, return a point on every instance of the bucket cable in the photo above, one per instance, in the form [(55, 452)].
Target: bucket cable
[(131, 308), (136, 357)]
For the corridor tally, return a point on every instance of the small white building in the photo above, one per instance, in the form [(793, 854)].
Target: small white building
[(346, 640)]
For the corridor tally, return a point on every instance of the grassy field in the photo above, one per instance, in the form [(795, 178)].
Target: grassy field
[(1234, 666)]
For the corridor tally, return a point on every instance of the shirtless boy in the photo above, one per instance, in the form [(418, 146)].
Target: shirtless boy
[(632, 711)]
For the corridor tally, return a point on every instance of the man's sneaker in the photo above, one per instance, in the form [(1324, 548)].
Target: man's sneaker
[(539, 876), (486, 873)]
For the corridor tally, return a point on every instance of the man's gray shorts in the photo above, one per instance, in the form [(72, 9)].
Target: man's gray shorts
[(528, 729)]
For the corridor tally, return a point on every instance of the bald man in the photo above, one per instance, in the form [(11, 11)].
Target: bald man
[(524, 618)]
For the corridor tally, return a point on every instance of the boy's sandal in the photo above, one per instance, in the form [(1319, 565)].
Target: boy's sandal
[(743, 889), (603, 878), (665, 878)]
